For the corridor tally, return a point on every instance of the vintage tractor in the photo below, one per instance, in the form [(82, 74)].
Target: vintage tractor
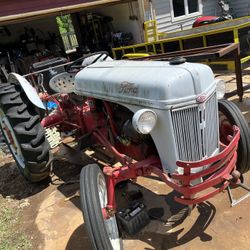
[(154, 117)]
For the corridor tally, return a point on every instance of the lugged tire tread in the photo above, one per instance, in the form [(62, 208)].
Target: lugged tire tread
[(28, 130), (33, 120), (38, 139), (22, 109), (13, 114), (22, 131)]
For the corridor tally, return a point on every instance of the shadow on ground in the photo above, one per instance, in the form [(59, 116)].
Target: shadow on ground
[(14, 185), (174, 239), (79, 240), (156, 233), (66, 180)]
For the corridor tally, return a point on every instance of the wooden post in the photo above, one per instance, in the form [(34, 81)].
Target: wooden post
[(238, 73)]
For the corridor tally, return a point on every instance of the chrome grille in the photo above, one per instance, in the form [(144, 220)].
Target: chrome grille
[(196, 130)]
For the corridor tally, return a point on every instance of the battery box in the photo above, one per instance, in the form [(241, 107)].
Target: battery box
[(133, 218)]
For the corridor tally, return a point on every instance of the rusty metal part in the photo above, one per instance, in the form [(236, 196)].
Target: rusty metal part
[(124, 159), (107, 170), (235, 176), (108, 212)]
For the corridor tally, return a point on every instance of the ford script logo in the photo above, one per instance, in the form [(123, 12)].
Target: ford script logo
[(128, 88)]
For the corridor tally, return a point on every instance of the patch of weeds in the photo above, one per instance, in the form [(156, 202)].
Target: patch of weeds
[(11, 236)]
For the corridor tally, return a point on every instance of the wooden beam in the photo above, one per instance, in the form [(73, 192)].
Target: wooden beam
[(24, 17)]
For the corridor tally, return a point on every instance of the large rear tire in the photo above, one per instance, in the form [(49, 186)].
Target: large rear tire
[(23, 133), (103, 233), (231, 115)]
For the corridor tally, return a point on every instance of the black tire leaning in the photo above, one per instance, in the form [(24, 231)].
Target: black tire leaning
[(235, 117), (91, 208), (29, 133)]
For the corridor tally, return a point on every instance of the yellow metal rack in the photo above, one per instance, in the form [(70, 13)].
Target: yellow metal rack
[(231, 31)]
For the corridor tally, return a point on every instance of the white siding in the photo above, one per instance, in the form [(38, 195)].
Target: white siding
[(210, 8), (164, 20), (240, 7)]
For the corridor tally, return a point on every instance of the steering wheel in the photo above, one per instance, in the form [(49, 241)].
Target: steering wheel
[(75, 64)]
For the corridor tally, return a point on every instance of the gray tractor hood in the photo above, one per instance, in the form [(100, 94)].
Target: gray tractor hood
[(145, 83)]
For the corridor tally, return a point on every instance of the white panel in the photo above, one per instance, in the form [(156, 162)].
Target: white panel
[(240, 7), (164, 20), (210, 8)]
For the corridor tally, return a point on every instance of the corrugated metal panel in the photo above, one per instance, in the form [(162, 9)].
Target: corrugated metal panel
[(164, 19)]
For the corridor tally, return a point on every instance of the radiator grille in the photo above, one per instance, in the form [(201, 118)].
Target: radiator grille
[(196, 130)]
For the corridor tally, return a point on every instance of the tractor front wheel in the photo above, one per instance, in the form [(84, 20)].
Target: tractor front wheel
[(230, 115), (103, 233)]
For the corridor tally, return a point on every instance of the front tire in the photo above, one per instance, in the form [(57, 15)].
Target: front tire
[(23, 133), (231, 115), (103, 233)]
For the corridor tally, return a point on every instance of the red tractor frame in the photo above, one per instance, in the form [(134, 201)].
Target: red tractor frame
[(99, 121)]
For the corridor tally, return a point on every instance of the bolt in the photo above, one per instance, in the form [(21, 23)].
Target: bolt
[(236, 176)]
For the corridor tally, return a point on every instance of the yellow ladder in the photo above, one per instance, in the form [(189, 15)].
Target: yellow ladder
[(150, 31)]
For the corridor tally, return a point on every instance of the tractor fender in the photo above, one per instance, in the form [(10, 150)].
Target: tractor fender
[(27, 88)]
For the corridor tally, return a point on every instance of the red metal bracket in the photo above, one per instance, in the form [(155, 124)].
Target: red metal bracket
[(215, 175)]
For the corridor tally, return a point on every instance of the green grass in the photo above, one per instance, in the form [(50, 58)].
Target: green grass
[(11, 236)]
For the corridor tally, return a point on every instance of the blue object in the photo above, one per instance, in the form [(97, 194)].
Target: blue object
[(51, 105)]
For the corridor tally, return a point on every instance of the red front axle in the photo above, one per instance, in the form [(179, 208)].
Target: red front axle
[(216, 174), (214, 177)]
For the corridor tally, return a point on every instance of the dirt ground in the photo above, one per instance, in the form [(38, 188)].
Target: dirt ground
[(53, 220)]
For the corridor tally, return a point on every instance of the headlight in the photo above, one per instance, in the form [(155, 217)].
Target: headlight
[(144, 121), (220, 88)]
